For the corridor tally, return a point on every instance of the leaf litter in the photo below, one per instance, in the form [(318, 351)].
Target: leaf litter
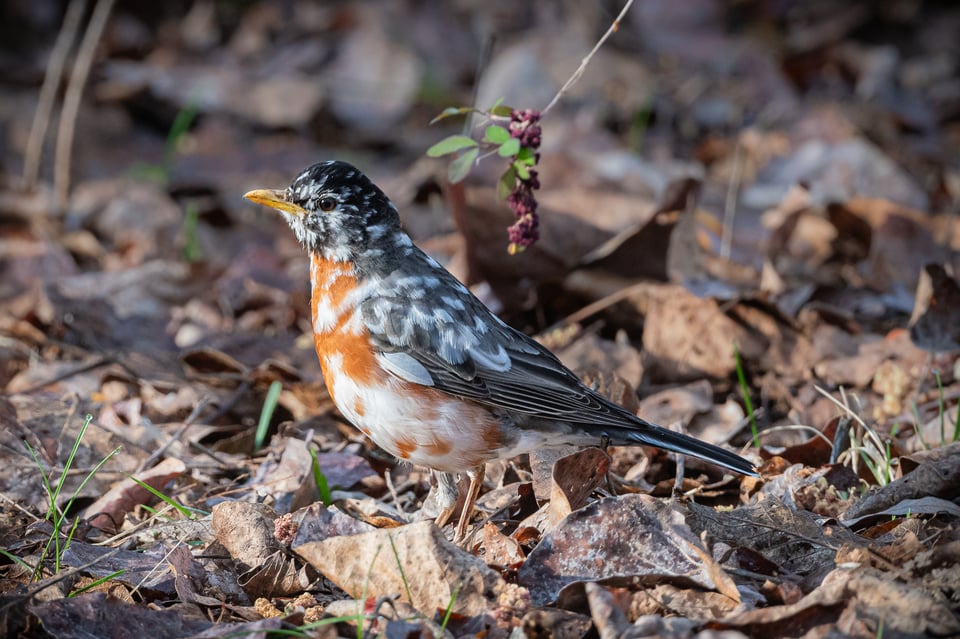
[(702, 193)]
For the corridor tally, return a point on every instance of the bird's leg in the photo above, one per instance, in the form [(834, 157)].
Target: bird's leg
[(476, 481), (446, 496)]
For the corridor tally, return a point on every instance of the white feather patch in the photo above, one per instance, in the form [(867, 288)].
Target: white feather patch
[(498, 361), (405, 367)]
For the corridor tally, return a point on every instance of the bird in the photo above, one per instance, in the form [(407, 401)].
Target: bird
[(420, 365)]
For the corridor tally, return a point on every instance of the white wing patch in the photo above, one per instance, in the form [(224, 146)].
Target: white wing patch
[(498, 361), (405, 367)]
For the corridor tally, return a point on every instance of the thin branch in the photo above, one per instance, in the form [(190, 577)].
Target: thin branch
[(48, 92), (71, 101), (189, 421), (583, 63), (601, 304)]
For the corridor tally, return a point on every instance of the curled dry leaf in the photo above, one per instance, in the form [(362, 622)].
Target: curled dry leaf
[(247, 532), (590, 545), (872, 599), (938, 477), (500, 550), (607, 616), (573, 478), (935, 323)]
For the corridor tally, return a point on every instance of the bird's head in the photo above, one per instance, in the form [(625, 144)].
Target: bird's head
[(334, 210)]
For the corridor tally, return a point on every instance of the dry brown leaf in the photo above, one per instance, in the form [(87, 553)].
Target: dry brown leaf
[(874, 598), (247, 532), (500, 550), (659, 547), (108, 511), (938, 477), (98, 615), (935, 323), (792, 540), (414, 561)]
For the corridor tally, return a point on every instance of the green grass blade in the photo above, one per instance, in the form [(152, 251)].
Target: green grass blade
[(266, 414), (449, 611), (323, 488), (942, 408), (94, 584), (189, 513), (403, 576), (742, 379)]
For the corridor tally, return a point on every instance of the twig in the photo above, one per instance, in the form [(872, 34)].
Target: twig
[(191, 418), (71, 101), (601, 304), (50, 581), (583, 63), (48, 92), (730, 206), (14, 504), (388, 478)]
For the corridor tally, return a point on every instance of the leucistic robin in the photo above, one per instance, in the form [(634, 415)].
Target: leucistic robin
[(418, 364)]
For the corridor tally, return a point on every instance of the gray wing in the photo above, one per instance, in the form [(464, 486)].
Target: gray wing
[(456, 345)]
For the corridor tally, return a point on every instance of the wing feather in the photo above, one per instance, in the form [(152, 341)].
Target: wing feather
[(500, 367)]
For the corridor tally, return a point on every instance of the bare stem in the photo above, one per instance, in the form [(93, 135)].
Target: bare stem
[(48, 92), (583, 63), (730, 206), (71, 101)]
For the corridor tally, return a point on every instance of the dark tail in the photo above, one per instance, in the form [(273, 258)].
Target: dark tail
[(651, 435)]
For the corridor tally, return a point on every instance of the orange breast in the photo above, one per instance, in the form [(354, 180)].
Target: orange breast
[(333, 283), (414, 422)]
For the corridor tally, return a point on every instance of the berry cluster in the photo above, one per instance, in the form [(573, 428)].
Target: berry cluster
[(525, 127)]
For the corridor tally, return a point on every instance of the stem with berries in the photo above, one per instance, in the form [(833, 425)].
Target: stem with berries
[(525, 128)]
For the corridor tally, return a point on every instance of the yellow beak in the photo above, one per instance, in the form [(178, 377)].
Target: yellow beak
[(275, 200)]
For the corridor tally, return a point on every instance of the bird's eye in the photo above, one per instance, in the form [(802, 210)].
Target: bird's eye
[(328, 203)]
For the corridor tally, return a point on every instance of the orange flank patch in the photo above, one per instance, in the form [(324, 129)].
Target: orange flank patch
[(493, 434), (405, 447), (439, 447), (358, 407)]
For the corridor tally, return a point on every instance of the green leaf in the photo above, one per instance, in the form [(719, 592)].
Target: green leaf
[(496, 134), (459, 168), (522, 171), (449, 112), (509, 148), (496, 104), (449, 145), (506, 183), (527, 156), (501, 111)]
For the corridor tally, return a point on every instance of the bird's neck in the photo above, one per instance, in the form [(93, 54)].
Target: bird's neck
[(335, 288)]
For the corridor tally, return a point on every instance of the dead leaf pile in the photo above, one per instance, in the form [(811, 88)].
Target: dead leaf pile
[(748, 234)]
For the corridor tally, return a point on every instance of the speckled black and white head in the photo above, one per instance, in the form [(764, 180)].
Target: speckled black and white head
[(335, 211)]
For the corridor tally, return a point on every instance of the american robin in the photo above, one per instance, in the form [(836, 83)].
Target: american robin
[(418, 364)]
